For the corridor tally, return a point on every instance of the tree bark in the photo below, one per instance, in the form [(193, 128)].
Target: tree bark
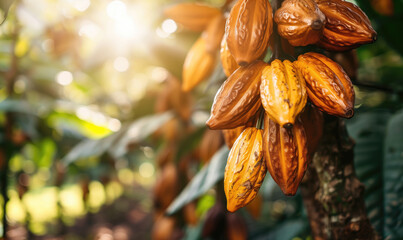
[(332, 194)]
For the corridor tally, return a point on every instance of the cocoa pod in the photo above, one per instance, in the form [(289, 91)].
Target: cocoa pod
[(283, 92), (166, 188), (328, 86), (255, 207), (245, 169), (347, 26), (312, 120), (383, 7), (199, 64), (231, 135), (286, 154), (248, 30), (190, 214), (348, 61), (214, 33), (164, 228), (300, 22), (211, 142), (236, 227), (192, 16), (238, 99), (228, 62), (215, 223)]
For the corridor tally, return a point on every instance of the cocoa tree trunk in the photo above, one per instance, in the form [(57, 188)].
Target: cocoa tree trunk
[(332, 194)]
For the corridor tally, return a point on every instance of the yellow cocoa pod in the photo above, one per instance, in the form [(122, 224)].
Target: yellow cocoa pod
[(283, 92), (328, 86), (248, 30), (238, 99), (286, 155), (214, 33), (192, 16), (227, 60), (245, 169), (347, 26), (199, 64), (300, 22)]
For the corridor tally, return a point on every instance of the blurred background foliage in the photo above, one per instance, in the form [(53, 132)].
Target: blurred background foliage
[(86, 132)]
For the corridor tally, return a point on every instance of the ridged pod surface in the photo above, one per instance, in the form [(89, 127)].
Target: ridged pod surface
[(228, 62), (245, 169), (214, 33), (192, 16), (328, 86), (199, 64), (312, 120), (347, 26), (248, 30), (283, 92), (300, 22), (238, 99), (286, 155)]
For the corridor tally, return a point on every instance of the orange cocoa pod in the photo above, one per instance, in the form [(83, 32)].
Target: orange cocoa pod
[(248, 30), (312, 120), (283, 92), (236, 227), (199, 64), (238, 99), (211, 142), (286, 154), (300, 22), (383, 7), (164, 228), (347, 26), (255, 207), (227, 60), (245, 169), (231, 135), (214, 33), (190, 214), (328, 86), (193, 16)]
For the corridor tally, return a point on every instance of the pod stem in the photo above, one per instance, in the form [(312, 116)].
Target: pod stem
[(260, 121)]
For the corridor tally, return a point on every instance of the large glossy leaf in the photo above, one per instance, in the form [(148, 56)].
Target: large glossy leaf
[(393, 178), (203, 181), (116, 144)]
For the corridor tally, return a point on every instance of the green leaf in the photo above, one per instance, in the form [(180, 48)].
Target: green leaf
[(393, 178), (203, 181), (116, 144)]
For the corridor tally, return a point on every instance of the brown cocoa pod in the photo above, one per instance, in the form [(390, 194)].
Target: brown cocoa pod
[(255, 207), (228, 62), (164, 228), (238, 99), (328, 86), (283, 92), (199, 64), (236, 227), (231, 135), (214, 33), (215, 223), (211, 142), (166, 188), (300, 22), (348, 61), (312, 120), (383, 7), (286, 154), (193, 16), (347, 26), (190, 214), (248, 30), (245, 169)]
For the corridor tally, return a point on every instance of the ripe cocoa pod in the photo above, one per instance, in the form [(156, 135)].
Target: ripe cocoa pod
[(255, 207), (192, 16), (236, 227), (231, 135), (245, 169), (238, 99), (227, 60), (211, 142), (164, 228), (286, 154), (248, 30), (383, 7), (199, 64), (328, 86), (300, 22), (189, 214), (312, 120), (283, 92), (214, 33), (215, 223), (348, 61), (166, 188), (347, 26)]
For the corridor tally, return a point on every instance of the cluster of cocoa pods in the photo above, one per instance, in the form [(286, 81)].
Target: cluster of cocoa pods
[(271, 113)]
